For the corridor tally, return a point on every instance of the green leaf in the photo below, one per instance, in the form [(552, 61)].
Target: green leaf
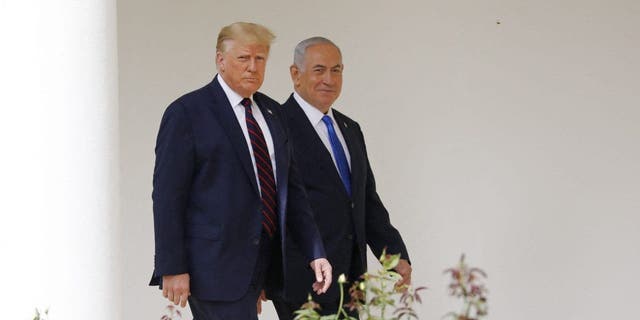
[(391, 261), (383, 255), (394, 276)]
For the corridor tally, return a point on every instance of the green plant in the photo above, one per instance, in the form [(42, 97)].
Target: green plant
[(466, 284), (376, 296), (39, 315)]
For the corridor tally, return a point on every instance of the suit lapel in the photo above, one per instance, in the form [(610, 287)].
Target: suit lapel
[(226, 117), (312, 146), (350, 135), (279, 139), (279, 142)]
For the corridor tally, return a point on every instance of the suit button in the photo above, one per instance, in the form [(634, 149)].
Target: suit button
[(350, 236), (353, 205), (256, 241)]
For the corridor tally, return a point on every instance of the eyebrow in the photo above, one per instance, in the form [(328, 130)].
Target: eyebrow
[(323, 66)]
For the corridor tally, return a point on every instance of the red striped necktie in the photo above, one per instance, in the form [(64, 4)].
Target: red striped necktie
[(266, 180)]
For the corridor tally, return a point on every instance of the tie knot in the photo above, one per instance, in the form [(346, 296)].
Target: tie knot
[(327, 120), (246, 102)]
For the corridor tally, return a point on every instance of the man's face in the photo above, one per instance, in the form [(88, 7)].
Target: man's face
[(320, 80), (242, 66)]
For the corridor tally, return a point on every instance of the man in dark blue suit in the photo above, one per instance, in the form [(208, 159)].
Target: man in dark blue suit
[(226, 192), (330, 151)]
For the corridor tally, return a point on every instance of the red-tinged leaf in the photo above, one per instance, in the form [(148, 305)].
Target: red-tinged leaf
[(479, 271), (402, 310)]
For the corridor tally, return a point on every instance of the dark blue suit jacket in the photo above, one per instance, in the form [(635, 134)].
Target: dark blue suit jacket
[(347, 224), (206, 203)]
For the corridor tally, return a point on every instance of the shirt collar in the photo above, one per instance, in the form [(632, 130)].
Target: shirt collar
[(314, 115), (233, 97)]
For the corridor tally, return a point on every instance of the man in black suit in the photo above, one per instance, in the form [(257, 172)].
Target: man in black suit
[(226, 192), (330, 151)]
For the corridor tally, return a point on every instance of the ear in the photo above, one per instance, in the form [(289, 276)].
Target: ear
[(220, 61), (295, 74)]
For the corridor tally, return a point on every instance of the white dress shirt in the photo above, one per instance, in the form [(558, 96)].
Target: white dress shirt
[(315, 117), (238, 109)]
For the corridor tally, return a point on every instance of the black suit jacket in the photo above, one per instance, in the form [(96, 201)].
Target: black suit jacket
[(347, 224), (206, 203)]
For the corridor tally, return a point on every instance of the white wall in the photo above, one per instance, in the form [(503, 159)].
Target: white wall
[(59, 164), (515, 142)]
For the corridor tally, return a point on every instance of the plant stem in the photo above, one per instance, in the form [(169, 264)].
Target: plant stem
[(466, 314), (384, 303), (340, 309)]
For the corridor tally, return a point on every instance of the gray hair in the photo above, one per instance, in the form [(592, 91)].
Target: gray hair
[(301, 49)]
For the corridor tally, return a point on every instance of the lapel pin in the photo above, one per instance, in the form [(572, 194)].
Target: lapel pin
[(269, 110)]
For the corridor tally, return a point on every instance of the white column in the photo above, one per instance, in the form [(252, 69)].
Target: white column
[(59, 162)]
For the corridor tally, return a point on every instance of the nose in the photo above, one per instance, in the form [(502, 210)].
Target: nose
[(252, 65), (328, 78)]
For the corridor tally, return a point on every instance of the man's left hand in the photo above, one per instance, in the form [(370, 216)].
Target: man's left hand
[(404, 269), (261, 298), (322, 268)]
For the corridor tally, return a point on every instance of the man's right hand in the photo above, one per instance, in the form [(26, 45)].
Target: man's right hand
[(176, 288), (322, 269)]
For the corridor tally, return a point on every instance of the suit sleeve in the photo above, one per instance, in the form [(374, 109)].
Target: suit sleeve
[(171, 184), (380, 232), (300, 221)]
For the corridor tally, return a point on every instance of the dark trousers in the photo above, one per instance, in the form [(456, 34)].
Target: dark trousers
[(286, 310), (245, 307)]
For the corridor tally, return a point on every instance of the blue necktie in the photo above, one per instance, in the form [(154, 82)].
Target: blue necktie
[(338, 153)]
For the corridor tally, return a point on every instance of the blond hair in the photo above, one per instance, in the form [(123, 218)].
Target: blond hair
[(246, 32)]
